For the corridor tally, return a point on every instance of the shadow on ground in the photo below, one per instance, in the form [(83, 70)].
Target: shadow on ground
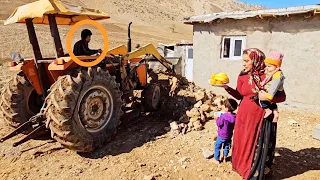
[(136, 129), (139, 127), (290, 163)]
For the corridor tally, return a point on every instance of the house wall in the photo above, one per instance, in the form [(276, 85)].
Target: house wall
[(176, 57), (297, 37), (180, 51)]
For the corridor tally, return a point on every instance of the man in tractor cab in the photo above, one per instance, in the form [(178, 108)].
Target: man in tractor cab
[(81, 48)]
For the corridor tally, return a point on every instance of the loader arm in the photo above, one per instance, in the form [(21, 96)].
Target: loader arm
[(150, 50), (120, 50)]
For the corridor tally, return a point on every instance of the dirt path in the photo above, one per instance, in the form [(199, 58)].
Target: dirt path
[(144, 148)]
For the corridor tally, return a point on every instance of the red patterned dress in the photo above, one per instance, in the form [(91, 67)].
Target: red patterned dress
[(252, 133)]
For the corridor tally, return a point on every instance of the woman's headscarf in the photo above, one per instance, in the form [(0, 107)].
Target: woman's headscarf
[(258, 66)]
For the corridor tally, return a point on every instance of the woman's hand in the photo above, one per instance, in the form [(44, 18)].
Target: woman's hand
[(263, 96), (226, 87), (233, 92)]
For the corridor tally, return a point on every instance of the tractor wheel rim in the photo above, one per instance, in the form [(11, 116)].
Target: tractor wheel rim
[(155, 97), (96, 108)]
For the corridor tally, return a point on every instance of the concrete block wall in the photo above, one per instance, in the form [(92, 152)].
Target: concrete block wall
[(297, 37)]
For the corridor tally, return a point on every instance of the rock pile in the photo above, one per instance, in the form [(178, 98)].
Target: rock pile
[(203, 110), (194, 105)]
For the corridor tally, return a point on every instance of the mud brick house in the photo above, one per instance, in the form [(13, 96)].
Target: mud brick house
[(220, 38)]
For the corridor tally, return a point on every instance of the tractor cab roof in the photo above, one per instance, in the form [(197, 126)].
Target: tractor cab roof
[(65, 13)]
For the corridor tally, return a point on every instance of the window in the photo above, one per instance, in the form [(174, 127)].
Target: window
[(190, 53), (232, 47)]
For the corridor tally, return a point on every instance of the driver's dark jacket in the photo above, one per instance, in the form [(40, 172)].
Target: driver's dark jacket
[(81, 48)]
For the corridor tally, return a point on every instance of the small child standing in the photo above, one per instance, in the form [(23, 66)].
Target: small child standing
[(273, 83), (225, 125)]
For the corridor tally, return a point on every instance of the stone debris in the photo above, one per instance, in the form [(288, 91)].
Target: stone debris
[(293, 123), (149, 178), (182, 160), (194, 112), (193, 105), (205, 108), (199, 95), (207, 154), (316, 132), (174, 126), (198, 104), (174, 84)]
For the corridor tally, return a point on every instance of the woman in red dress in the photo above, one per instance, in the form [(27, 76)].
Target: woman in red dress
[(254, 137)]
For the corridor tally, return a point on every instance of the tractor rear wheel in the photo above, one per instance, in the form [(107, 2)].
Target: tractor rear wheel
[(83, 111), (151, 96), (19, 101)]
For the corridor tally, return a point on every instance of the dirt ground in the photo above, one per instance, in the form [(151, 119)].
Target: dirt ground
[(144, 148)]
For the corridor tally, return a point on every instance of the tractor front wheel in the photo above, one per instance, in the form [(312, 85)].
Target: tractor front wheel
[(83, 111), (19, 101), (151, 96)]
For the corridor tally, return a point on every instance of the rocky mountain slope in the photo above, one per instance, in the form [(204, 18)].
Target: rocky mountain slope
[(154, 21)]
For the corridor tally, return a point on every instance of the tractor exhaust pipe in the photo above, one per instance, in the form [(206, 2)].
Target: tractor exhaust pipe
[(129, 38)]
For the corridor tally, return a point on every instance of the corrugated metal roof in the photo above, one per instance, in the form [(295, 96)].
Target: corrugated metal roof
[(249, 14), (65, 13)]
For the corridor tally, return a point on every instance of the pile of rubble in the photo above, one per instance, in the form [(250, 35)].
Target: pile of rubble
[(196, 105)]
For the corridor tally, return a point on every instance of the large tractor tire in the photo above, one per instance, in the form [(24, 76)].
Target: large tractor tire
[(83, 111), (19, 101), (151, 96)]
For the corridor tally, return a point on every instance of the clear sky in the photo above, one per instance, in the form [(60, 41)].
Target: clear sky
[(282, 3)]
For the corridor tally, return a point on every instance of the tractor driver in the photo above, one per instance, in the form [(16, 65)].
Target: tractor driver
[(81, 47)]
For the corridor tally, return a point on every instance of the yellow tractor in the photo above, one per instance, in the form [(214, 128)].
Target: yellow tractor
[(79, 105)]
